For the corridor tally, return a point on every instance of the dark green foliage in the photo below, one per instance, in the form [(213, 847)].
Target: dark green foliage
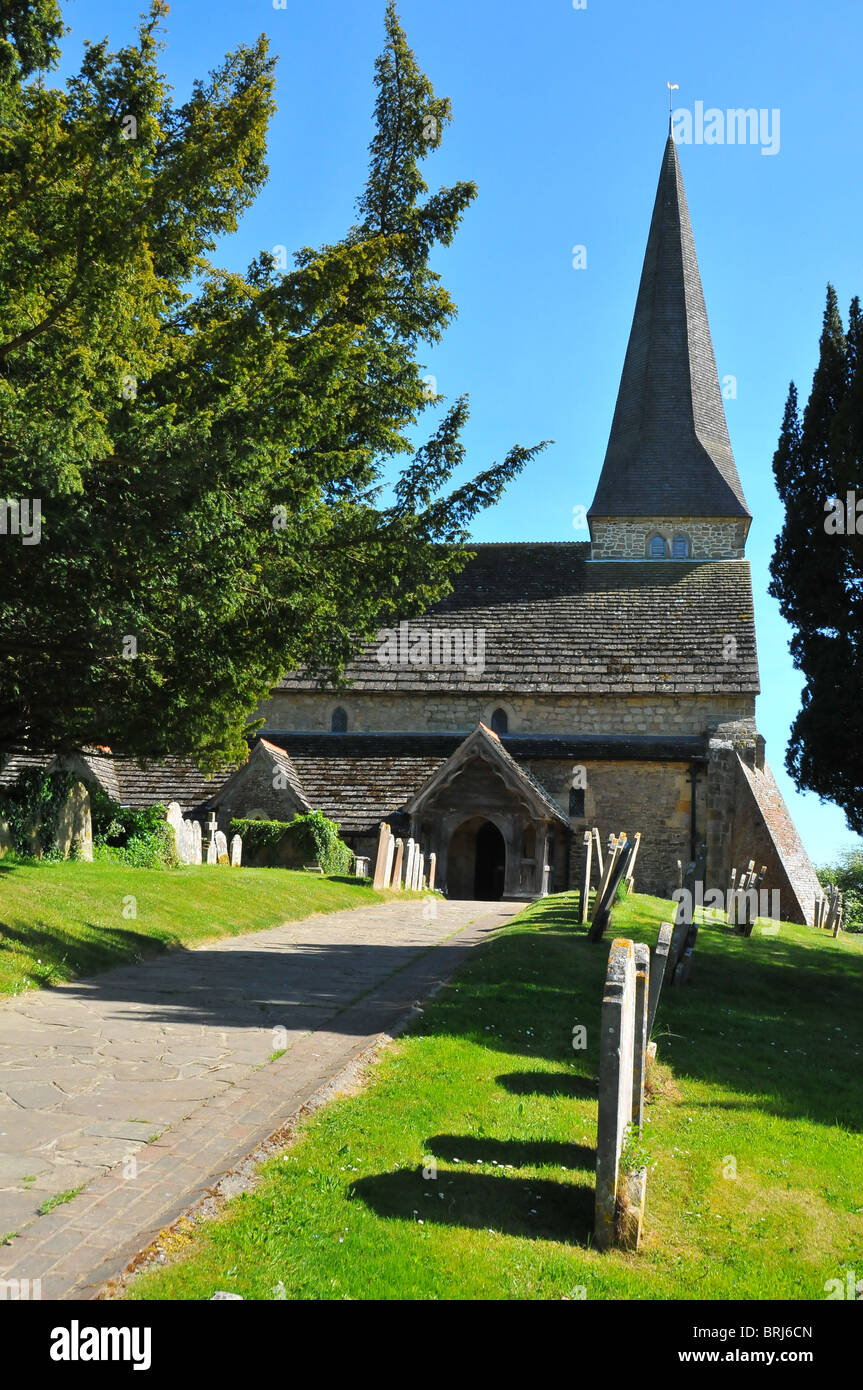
[(847, 876), (307, 839), (208, 447), (141, 838), (817, 574)]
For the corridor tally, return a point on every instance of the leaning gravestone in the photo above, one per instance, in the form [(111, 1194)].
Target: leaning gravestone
[(658, 966), (236, 851), (605, 901), (396, 880), (221, 843), (619, 1195)]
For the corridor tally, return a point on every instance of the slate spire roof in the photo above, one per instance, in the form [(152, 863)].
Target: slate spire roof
[(669, 453)]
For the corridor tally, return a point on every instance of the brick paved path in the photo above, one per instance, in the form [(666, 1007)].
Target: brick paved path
[(167, 1063)]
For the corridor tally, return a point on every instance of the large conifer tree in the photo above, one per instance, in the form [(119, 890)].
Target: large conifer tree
[(817, 566), (208, 448)]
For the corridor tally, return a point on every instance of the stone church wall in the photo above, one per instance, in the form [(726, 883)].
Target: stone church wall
[(710, 538), (651, 797), (409, 712)]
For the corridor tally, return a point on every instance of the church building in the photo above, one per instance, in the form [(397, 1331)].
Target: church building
[(561, 685), (567, 685)]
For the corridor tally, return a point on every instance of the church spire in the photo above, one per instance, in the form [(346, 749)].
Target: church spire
[(669, 454)]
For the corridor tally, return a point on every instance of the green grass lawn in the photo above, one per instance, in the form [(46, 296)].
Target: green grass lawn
[(465, 1170), (62, 920)]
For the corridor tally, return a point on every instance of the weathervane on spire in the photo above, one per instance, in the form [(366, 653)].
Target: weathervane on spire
[(672, 87)]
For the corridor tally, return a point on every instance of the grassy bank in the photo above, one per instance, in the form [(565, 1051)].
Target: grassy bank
[(466, 1168), (59, 921)]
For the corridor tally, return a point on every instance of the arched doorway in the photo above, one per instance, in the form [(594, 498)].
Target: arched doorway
[(476, 861), (490, 863)]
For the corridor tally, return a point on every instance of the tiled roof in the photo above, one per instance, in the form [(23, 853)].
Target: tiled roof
[(361, 779), (669, 453), (486, 744), (357, 780), (175, 779), (556, 622)]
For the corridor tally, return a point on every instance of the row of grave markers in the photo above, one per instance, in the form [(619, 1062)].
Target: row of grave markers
[(189, 840), (617, 844), (402, 864), (633, 983)]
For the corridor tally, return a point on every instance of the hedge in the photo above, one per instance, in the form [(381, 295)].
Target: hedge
[(307, 839)]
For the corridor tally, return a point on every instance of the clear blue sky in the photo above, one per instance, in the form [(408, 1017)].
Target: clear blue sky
[(560, 116)]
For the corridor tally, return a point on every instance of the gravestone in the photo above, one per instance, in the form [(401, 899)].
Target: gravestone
[(432, 870), (388, 861), (212, 852), (361, 866), (236, 851), (421, 869), (585, 888), (74, 834), (379, 881), (604, 902), (396, 880), (619, 1195), (597, 844), (174, 817), (410, 854), (658, 967), (630, 877), (197, 843), (221, 843), (189, 836), (640, 1034)]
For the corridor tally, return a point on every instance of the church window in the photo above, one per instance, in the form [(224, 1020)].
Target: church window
[(500, 722), (576, 802), (658, 548), (680, 548), (339, 721)]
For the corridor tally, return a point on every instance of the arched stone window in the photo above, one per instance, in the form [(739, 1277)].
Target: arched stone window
[(500, 722), (339, 721), (658, 548), (680, 547)]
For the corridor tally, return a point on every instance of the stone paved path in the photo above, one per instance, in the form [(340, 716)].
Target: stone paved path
[(164, 1063)]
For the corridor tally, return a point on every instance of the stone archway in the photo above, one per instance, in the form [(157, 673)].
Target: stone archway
[(476, 860), (490, 863)]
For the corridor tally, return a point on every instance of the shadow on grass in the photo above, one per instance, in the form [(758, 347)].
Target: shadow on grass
[(529, 1207), (519, 1153), (62, 955), (549, 1083)]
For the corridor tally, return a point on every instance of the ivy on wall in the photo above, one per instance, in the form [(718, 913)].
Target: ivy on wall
[(307, 839), (31, 808)]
